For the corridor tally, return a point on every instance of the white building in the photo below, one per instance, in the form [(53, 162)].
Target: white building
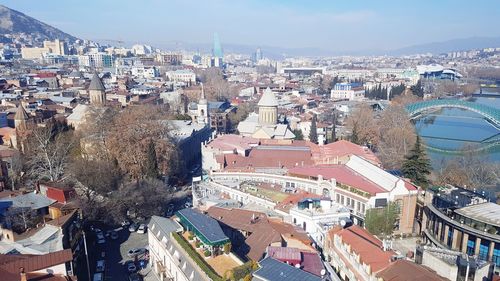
[(145, 71), (347, 91), (317, 216), (167, 258), (140, 50), (186, 76), (96, 60)]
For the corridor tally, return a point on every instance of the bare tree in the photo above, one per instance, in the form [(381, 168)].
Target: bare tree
[(397, 136), (130, 134), (17, 169), (49, 152), (137, 197), (362, 122), (469, 169)]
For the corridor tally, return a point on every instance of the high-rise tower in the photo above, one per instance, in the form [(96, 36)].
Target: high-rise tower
[(217, 49)]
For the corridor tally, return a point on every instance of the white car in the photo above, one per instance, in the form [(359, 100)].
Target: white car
[(101, 264), (142, 229)]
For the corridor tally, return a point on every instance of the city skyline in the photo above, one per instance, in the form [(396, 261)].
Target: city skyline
[(338, 27)]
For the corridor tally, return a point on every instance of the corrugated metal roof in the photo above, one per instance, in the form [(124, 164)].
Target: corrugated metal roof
[(274, 270), (204, 224)]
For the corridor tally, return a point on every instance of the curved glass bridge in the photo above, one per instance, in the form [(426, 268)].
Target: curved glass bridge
[(488, 113)]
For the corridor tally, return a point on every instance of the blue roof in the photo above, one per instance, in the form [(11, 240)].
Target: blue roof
[(274, 270), (205, 225)]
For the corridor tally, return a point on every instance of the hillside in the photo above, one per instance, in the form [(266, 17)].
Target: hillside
[(14, 22)]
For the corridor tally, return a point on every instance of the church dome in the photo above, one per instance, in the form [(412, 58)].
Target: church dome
[(268, 98)]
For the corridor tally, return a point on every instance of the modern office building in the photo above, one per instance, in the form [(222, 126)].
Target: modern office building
[(96, 60), (462, 220)]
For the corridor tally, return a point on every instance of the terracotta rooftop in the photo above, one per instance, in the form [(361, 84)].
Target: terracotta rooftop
[(312, 263), (10, 265), (263, 231), (233, 142), (403, 270), (343, 148), (364, 244), (341, 173), (293, 199)]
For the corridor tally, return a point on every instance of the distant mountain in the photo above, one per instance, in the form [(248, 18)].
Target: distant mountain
[(462, 44), (13, 22)]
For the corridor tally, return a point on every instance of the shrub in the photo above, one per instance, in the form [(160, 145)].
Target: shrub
[(243, 270), (227, 248), (207, 253), (198, 244), (202, 264)]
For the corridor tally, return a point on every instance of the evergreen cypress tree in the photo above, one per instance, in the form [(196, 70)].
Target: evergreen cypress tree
[(334, 134), (298, 134), (151, 165), (354, 135), (313, 134), (417, 166)]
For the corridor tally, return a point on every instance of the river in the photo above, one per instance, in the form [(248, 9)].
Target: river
[(451, 129)]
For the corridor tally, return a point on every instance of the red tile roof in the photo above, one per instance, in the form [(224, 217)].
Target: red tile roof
[(293, 199), (343, 148), (364, 244), (311, 262), (403, 270), (10, 264), (231, 142), (341, 173), (285, 254)]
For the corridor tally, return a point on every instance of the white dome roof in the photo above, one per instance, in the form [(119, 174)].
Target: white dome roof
[(268, 98)]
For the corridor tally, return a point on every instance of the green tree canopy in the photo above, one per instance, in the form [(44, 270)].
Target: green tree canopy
[(416, 165), (298, 134), (313, 134), (381, 221)]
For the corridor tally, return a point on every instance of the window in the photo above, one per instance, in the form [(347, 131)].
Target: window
[(484, 249), (471, 245), (496, 255), (450, 237)]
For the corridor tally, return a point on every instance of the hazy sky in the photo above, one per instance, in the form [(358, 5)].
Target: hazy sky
[(335, 25)]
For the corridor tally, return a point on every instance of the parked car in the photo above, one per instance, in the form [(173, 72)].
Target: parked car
[(188, 205), (142, 229), (131, 266), (114, 235), (132, 227), (134, 277), (100, 238), (135, 251), (125, 223), (100, 266)]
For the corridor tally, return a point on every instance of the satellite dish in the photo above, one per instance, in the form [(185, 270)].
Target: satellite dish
[(343, 223), (323, 272)]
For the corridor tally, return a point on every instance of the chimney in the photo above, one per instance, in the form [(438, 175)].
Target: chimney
[(23, 274)]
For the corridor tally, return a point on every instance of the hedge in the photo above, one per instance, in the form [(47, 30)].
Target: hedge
[(196, 257)]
